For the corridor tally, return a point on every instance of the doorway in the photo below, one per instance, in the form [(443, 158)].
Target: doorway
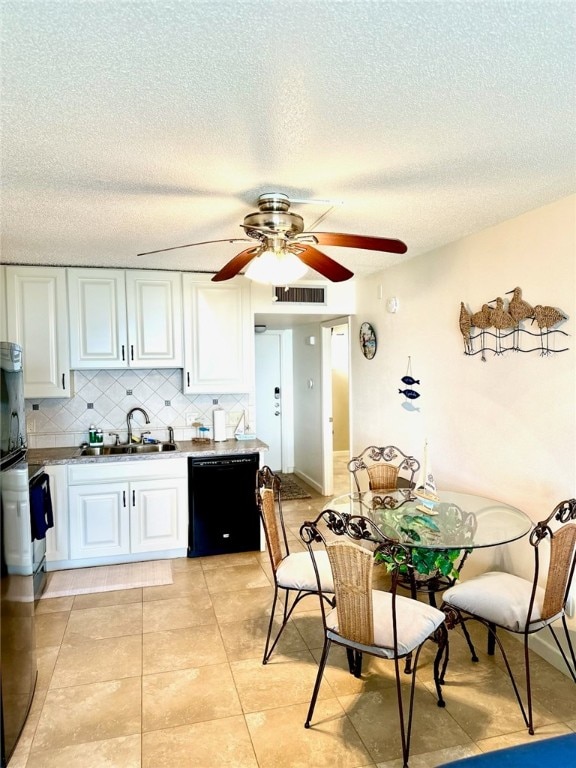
[(274, 398), (336, 401)]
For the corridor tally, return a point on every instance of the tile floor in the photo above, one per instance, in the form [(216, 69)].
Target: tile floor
[(171, 676)]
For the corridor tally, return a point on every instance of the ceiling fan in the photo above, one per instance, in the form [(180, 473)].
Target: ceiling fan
[(284, 251)]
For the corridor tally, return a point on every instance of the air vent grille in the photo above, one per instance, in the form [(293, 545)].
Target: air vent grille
[(300, 295)]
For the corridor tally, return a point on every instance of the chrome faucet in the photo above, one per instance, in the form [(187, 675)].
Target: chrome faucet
[(170, 435), (129, 421)]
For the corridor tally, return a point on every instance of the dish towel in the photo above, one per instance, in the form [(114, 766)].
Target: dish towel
[(41, 513)]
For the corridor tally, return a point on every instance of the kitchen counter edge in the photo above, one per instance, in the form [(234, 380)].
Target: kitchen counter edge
[(185, 449)]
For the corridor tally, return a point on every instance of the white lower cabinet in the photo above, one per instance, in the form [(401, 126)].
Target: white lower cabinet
[(99, 520), (155, 515), (126, 511)]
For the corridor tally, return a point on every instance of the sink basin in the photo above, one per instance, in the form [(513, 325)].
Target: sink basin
[(123, 450)]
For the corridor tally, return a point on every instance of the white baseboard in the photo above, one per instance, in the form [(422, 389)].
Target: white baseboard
[(309, 481)]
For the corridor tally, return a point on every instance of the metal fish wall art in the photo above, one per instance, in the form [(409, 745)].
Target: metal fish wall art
[(504, 327), (410, 394)]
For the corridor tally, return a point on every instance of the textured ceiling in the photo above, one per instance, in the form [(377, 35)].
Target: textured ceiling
[(129, 126)]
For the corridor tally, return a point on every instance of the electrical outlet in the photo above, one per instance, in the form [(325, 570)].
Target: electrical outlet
[(234, 417), (190, 417)]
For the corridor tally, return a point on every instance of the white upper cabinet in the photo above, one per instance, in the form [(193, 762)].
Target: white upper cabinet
[(38, 321), (125, 319), (218, 335)]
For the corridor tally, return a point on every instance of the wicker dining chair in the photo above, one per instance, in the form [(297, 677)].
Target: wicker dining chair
[(524, 606), (293, 571), (369, 621), (383, 469)]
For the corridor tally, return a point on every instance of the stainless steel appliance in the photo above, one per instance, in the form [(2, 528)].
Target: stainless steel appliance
[(17, 554)]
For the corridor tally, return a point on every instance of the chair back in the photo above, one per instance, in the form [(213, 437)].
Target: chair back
[(352, 568), (268, 500), (561, 533), (385, 468)]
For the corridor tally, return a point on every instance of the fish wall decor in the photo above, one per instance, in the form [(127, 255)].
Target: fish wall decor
[(505, 326), (410, 394)]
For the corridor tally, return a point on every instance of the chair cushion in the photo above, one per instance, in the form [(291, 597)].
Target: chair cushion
[(415, 620), (297, 572), (500, 598)]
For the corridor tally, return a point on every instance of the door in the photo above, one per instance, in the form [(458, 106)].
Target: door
[(335, 396), (99, 523), (269, 396), (37, 320), (157, 515), (97, 309)]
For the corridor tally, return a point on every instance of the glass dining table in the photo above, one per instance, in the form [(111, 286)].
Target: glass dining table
[(453, 520)]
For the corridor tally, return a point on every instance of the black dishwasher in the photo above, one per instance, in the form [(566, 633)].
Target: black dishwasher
[(223, 516)]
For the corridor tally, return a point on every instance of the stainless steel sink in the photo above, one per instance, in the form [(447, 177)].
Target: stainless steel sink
[(123, 450)]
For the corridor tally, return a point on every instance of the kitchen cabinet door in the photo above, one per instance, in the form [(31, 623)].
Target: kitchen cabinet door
[(154, 301), (158, 515), (125, 318), (218, 336), (99, 520), (36, 301), (97, 311)]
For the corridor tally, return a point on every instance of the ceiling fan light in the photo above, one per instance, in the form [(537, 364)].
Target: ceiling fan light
[(276, 268)]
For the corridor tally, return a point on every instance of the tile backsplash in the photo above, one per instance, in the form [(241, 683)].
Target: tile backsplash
[(103, 398)]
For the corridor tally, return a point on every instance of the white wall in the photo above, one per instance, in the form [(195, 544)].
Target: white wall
[(504, 428), (307, 404)]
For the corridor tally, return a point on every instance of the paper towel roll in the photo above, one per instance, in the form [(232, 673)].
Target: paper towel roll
[(219, 424)]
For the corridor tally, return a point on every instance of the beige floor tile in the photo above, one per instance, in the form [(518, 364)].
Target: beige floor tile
[(236, 577), (54, 605), (432, 759), (376, 673), (183, 584), (221, 743), (485, 705), (228, 561), (122, 752), (246, 639), (50, 628), (433, 727), (309, 625), (186, 564), (110, 658), (281, 741), (93, 712), (285, 679), (90, 624), (188, 696), (513, 738), (46, 661), (181, 648), (178, 613), (112, 597), (244, 604)]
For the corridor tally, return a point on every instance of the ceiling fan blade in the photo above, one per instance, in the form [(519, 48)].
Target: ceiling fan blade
[(317, 260), (205, 242), (359, 241), (236, 264)]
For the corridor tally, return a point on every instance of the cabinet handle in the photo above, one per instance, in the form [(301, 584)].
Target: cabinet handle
[(124, 499), (123, 353), (131, 351), (133, 498), (63, 381), (188, 377)]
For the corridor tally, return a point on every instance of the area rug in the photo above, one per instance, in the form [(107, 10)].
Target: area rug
[(290, 488), (107, 578)]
